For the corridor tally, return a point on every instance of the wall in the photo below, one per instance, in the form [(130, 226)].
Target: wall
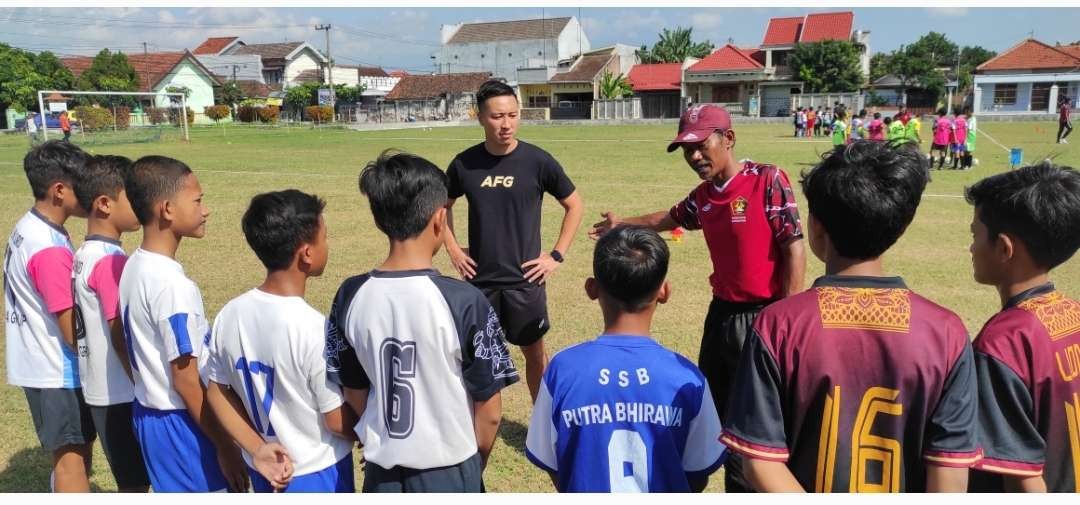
[(201, 86), (1023, 99), (342, 75), (572, 40), (303, 61), (500, 58)]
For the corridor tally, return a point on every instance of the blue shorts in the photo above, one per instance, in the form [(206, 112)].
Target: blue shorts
[(332, 479), (179, 457)]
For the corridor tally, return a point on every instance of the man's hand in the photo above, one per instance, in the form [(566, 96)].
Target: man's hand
[(272, 461), (610, 221), (539, 269), (463, 263), (234, 469)]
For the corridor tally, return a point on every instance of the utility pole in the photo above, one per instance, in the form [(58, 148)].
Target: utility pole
[(329, 63)]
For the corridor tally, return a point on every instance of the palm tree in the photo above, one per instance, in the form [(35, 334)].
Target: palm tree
[(675, 46), (614, 86)]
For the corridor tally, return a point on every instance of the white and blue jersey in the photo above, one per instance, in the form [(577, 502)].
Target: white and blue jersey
[(624, 414)]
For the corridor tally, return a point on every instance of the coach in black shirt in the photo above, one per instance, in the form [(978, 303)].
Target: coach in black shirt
[(504, 180)]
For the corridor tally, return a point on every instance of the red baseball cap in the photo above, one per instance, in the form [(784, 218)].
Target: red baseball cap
[(698, 122)]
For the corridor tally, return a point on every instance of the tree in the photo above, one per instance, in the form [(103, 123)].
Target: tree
[(879, 66), (19, 80), (675, 46), (229, 94), (936, 48), (828, 66), (109, 72), (53, 70), (970, 58), (303, 95), (614, 86), (348, 94)]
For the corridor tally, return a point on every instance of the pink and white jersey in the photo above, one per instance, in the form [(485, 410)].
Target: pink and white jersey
[(98, 265), (960, 129), (37, 285), (163, 320), (876, 130), (942, 131)]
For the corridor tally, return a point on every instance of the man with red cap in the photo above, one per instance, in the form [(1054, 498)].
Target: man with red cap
[(747, 212)]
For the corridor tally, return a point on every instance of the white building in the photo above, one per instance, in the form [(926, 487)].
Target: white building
[(1028, 78), (282, 63)]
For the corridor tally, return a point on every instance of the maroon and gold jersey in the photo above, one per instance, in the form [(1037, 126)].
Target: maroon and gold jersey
[(1028, 362), (857, 384)]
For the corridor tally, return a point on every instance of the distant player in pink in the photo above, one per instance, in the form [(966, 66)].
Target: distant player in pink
[(876, 129), (942, 137), (959, 139)]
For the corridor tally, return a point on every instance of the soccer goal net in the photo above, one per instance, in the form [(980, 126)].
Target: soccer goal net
[(111, 117)]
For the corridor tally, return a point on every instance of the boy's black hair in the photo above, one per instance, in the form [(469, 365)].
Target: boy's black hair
[(877, 115), (104, 175), (404, 191), (865, 194), (151, 180), (492, 89), (1038, 204), (630, 264), (52, 162), (941, 111), (277, 223), (862, 113), (888, 120)]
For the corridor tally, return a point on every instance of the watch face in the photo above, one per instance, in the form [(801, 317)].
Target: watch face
[(557, 256)]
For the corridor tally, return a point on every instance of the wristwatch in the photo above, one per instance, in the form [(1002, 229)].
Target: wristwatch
[(556, 255)]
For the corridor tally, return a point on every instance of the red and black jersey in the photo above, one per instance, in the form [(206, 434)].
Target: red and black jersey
[(1028, 362), (857, 384), (745, 222)]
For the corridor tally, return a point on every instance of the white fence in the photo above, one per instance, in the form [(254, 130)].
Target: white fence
[(851, 101), (626, 108)]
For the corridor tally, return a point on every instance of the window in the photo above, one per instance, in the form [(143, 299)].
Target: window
[(1040, 95), (539, 101), (1004, 94)]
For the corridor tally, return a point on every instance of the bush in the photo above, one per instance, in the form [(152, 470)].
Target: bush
[(174, 114), (217, 112), (157, 115), (269, 114), (247, 113), (319, 113), (122, 116), (94, 118)]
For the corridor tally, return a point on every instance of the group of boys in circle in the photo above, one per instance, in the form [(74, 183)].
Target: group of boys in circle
[(272, 395)]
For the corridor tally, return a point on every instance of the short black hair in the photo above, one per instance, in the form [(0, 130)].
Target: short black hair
[(52, 162), (276, 224), (404, 191), (492, 89), (104, 175), (1037, 204), (630, 264), (865, 194), (877, 115), (888, 120), (152, 179)]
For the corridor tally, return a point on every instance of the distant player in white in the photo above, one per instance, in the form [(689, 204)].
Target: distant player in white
[(39, 329), (421, 357), (104, 366), (622, 413), (267, 368), (166, 329)]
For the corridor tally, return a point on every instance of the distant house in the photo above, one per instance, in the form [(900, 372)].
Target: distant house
[(1028, 77), (377, 83), (523, 51), (283, 63), (758, 80), (159, 71), (245, 69), (437, 86), (576, 83), (658, 85)]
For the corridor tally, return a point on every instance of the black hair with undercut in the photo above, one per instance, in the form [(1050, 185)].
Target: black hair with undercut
[(52, 162), (865, 195), (151, 180), (1037, 204), (404, 191), (630, 264), (104, 175), (276, 224), (492, 89)]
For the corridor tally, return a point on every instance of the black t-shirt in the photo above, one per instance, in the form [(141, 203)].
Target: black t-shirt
[(505, 195)]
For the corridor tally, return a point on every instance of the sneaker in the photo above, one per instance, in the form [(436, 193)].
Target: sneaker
[(1063, 141)]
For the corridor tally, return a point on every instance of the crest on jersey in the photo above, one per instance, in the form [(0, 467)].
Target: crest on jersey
[(738, 210)]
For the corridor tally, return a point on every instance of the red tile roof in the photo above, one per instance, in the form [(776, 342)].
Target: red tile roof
[(150, 68), (213, 45), (827, 26), (656, 77), (1031, 55), (398, 73), (782, 31), (726, 58), (586, 69), (422, 87), (371, 72), (254, 89), (310, 75), (810, 28)]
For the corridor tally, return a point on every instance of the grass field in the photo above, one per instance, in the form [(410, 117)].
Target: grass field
[(620, 168)]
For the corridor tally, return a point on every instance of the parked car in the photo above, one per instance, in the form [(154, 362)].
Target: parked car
[(53, 122)]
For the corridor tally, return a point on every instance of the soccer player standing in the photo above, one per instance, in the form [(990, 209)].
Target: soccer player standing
[(1064, 122), (857, 384), (1026, 223), (750, 220), (504, 181)]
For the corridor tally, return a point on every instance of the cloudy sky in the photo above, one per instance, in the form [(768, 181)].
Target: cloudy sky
[(406, 37)]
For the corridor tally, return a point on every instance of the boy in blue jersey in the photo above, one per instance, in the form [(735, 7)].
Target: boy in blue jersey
[(622, 413)]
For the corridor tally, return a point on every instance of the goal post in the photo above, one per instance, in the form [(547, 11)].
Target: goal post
[(182, 114)]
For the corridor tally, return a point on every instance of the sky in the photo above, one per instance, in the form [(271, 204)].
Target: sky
[(406, 37)]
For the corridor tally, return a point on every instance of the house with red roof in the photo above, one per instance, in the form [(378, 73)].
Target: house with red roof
[(283, 64), (1028, 78), (659, 86), (757, 81)]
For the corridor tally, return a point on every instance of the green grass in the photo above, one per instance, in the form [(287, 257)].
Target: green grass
[(619, 168)]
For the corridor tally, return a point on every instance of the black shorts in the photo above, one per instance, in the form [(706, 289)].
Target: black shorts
[(464, 477), (522, 312), (114, 426), (61, 417), (938, 147)]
